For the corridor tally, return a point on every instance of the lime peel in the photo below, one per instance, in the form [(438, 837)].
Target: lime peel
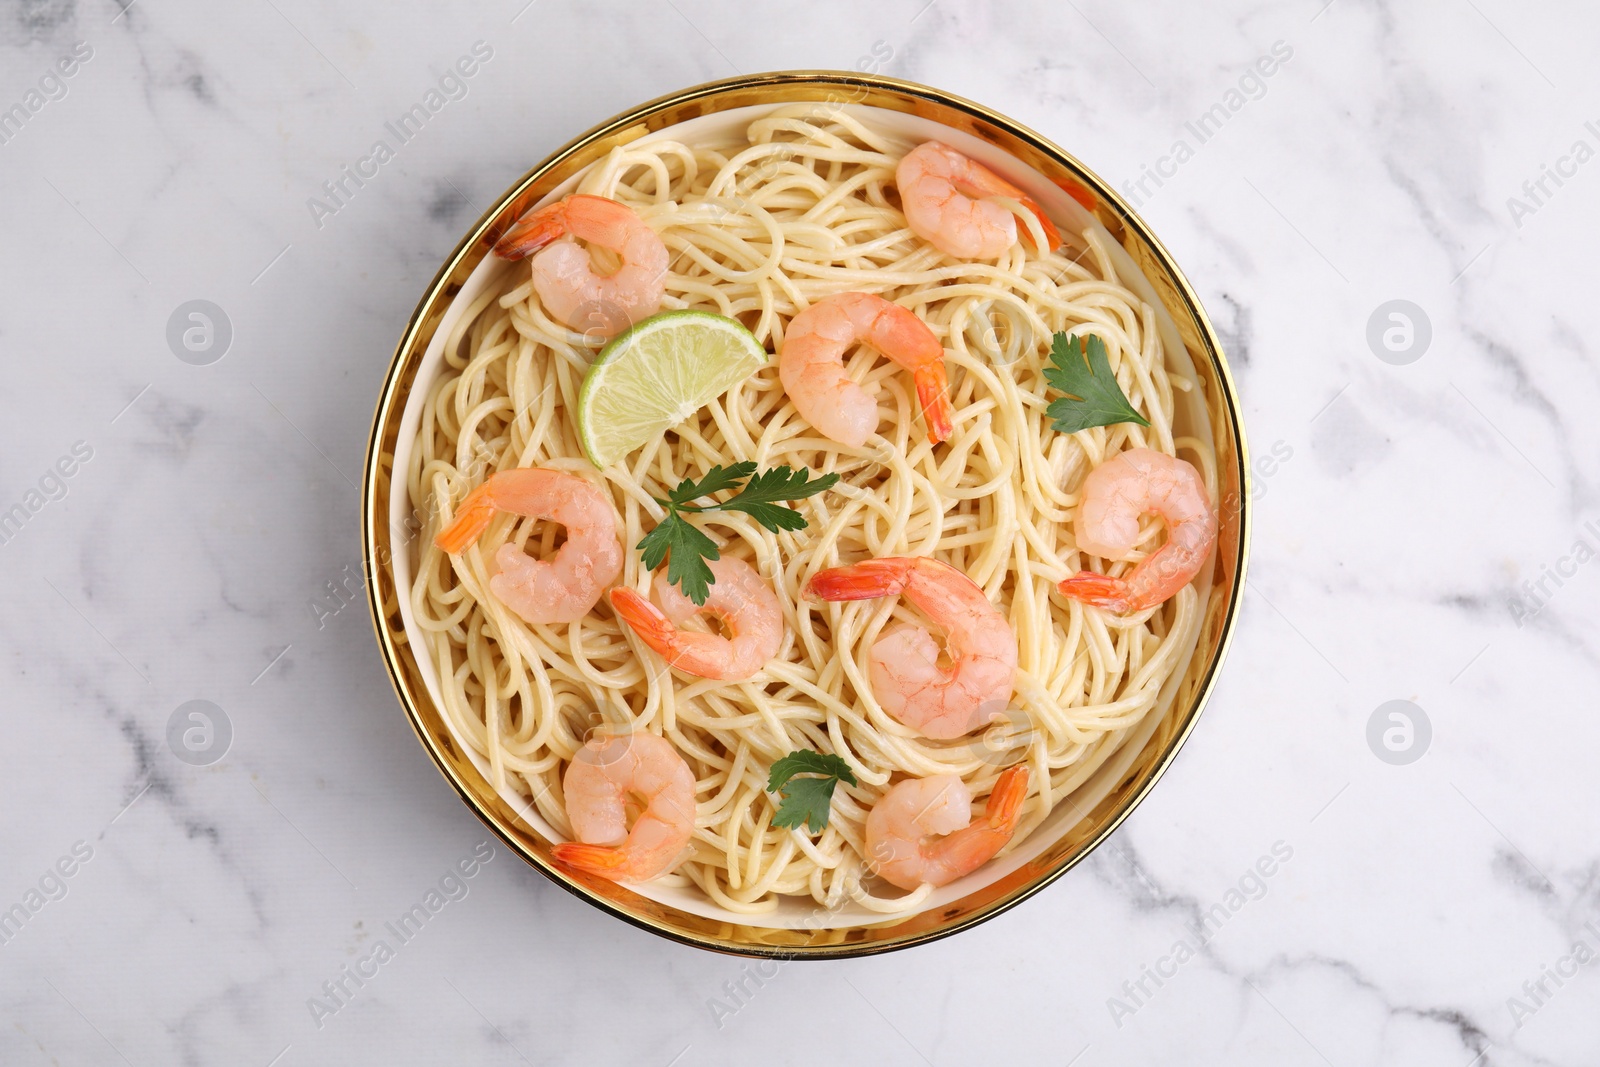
[(656, 374)]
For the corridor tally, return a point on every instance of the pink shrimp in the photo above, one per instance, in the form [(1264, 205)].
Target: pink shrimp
[(1115, 494), (902, 827), (605, 773), (565, 587), (939, 188), (739, 597), (564, 277), (811, 365), (907, 677)]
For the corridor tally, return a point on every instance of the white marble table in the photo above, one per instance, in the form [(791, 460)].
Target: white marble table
[(1405, 543)]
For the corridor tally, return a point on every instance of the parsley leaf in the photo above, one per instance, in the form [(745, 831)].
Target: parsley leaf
[(716, 480), (779, 483), (689, 549), (1093, 396), (806, 800)]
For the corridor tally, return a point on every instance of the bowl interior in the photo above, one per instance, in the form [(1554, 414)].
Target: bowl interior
[(1120, 775)]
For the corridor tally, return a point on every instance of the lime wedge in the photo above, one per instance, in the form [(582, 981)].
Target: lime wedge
[(658, 373)]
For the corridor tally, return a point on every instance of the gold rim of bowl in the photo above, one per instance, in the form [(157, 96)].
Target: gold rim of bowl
[(1221, 611)]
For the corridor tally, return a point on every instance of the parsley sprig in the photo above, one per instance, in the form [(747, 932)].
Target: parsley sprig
[(806, 800), (690, 549), (1080, 369)]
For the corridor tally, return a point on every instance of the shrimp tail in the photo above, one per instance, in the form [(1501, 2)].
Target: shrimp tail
[(1005, 801), (1096, 589), (933, 390), (646, 620), (867, 580), (533, 231), (596, 859), (471, 519), (1051, 234)]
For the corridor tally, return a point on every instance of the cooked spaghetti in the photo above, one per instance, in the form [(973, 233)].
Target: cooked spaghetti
[(806, 207)]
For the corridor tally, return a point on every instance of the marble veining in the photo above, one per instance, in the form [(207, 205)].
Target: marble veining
[(1292, 892)]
